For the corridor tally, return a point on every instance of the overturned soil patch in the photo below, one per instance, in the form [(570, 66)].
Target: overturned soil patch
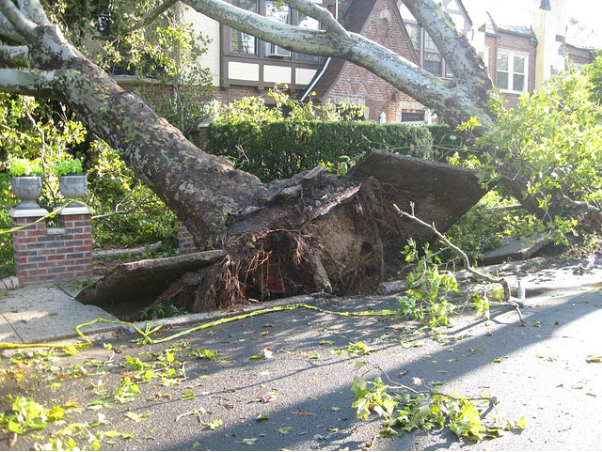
[(315, 232)]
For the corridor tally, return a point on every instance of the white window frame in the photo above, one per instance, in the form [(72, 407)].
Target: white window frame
[(511, 54)]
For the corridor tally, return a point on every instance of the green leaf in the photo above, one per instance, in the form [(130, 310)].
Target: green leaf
[(262, 417), (522, 423), (71, 350), (188, 395), (111, 434), (214, 424), (593, 359), (15, 428), (249, 441), (285, 430)]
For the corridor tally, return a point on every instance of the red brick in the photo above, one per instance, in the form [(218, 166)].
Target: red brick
[(57, 257), (23, 240)]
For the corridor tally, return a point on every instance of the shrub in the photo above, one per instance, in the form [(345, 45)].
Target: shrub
[(279, 150)]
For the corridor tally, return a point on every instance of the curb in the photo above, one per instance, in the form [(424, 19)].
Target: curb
[(96, 335)]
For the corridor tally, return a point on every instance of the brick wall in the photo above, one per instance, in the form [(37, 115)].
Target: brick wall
[(200, 136), (50, 254), (579, 55), (512, 42), (185, 241), (386, 28)]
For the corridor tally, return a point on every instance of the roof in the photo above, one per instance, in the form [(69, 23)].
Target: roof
[(355, 18), (493, 27)]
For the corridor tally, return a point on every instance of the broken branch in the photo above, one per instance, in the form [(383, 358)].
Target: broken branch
[(507, 297)]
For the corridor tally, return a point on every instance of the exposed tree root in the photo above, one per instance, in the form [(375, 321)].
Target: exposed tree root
[(317, 232)]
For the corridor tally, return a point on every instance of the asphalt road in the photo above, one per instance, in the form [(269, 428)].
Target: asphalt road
[(300, 398)]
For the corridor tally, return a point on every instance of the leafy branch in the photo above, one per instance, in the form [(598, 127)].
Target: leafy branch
[(503, 282)]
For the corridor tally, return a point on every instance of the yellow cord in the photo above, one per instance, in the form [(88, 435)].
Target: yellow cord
[(145, 334), (39, 220)]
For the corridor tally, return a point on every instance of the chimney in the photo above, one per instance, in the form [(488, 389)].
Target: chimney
[(549, 26)]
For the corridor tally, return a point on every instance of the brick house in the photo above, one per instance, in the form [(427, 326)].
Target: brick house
[(519, 58), (510, 55)]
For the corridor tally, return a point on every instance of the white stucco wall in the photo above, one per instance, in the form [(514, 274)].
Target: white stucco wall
[(547, 25), (210, 29)]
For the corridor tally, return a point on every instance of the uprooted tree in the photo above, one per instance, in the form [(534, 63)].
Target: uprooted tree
[(313, 232)]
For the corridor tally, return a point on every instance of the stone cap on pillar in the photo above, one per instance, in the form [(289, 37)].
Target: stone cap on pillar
[(27, 213), (76, 210)]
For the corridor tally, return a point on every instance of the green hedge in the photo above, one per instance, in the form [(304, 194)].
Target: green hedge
[(445, 142), (281, 149)]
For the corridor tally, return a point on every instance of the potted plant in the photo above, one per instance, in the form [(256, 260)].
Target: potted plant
[(72, 180), (26, 181)]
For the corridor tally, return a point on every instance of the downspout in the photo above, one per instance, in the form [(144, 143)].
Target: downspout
[(316, 79)]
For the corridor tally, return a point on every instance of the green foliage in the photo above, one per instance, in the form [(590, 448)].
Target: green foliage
[(29, 415), (161, 311), (183, 85), (487, 223), (114, 188), (277, 150), (24, 167), (356, 349), (407, 410), (276, 137), (127, 392), (203, 353), (277, 106), (68, 166), (556, 135), (161, 54), (427, 288)]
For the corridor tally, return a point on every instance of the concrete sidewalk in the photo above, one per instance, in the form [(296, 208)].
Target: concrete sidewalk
[(43, 314)]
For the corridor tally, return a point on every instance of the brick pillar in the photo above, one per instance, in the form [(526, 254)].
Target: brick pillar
[(77, 224), (50, 254), (200, 136), (31, 261), (185, 241)]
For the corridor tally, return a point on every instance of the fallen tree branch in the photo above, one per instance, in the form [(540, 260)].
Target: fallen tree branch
[(507, 297), (582, 204), (144, 202)]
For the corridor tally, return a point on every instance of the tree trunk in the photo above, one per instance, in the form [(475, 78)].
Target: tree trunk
[(200, 188)]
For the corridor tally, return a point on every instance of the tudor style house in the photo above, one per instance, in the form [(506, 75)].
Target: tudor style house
[(519, 58)]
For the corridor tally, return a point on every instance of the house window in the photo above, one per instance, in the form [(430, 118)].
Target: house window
[(511, 72), (311, 23), (242, 43), (429, 56), (414, 32), (278, 13), (432, 57)]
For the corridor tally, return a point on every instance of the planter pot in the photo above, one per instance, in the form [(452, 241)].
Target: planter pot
[(73, 186), (28, 189)]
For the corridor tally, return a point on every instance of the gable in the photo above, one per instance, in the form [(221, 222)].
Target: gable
[(377, 20), (459, 14)]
